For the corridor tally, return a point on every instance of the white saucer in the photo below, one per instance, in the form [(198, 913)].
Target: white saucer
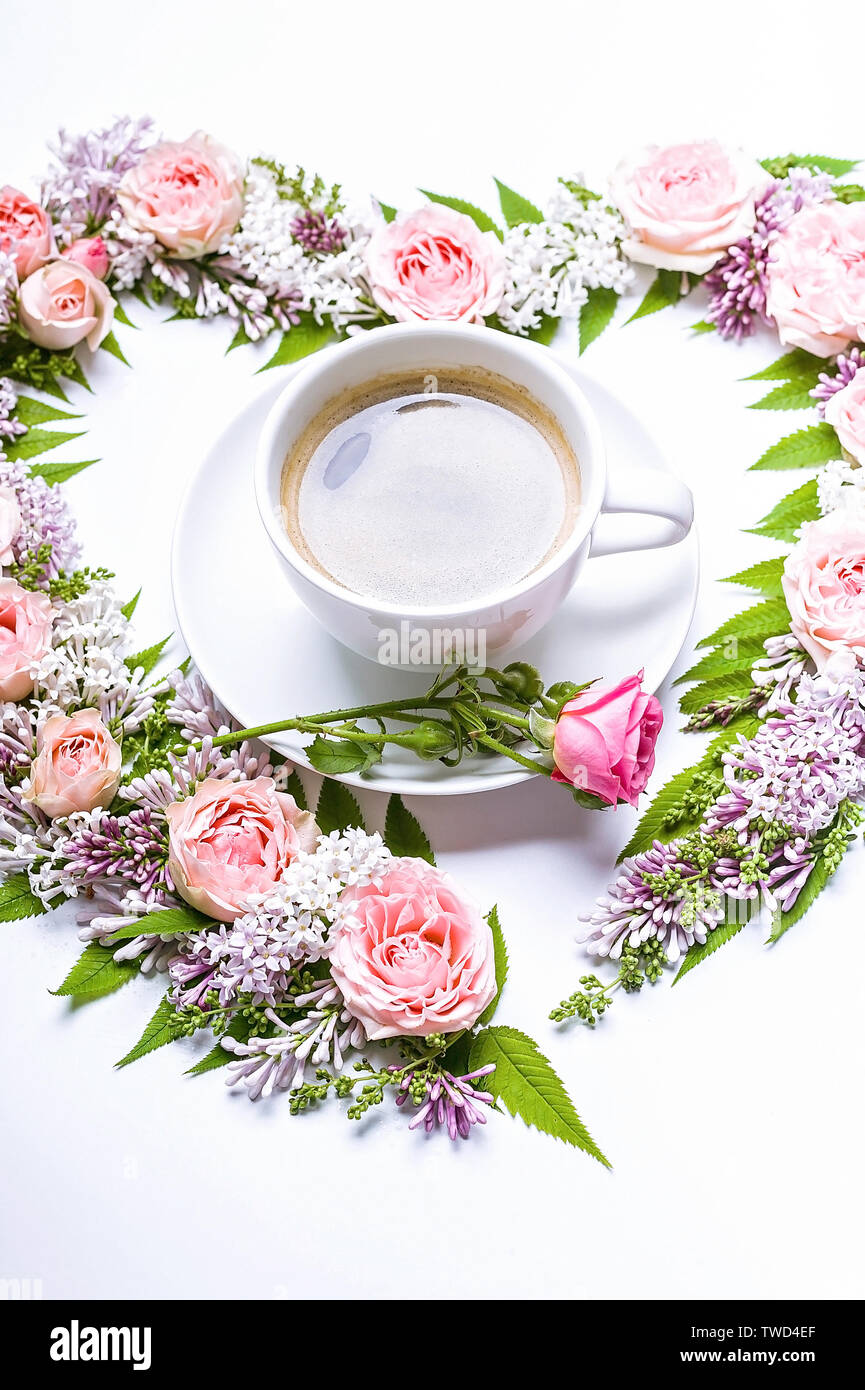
[(626, 611)]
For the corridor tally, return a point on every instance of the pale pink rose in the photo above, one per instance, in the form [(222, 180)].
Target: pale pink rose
[(91, 252), (10, 523), (25, 636), (605, 740), (188, 194), (25, 231), (230, 840), (824, 585), (63, 304), (413, 955), (816, 278), (685, 205), (77, 765), (436, 264), (845, 412)]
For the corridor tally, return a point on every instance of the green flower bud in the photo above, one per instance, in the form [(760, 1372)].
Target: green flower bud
[(430, 739)]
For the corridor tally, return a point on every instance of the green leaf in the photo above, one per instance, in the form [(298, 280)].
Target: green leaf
[(170, 921), (55, 473), (819, 875), (337, 809), (218, 1056), (300, 340), (781, 165), (34, 442), (784, 520), (240, 339), (515, 208), (725, 931), (596, 314), (545, 331), (96, 973), (806, 448), (121, 315), (797, 365), (703, 326), (403, 834), (110, 344), (721, 661), (17, 901), (157, 1033), (129, 608), (500, 951), (850, 193), (792, 395), (478, 216), (335, 757), (527, 1085), (765, 577), (665, 290), (387, 212), (766, 619), (732, 686), (293, 786), (31, 412), (149, 657)]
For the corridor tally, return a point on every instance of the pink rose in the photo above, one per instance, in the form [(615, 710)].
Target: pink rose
[(436, 264), (816, 278), (231, 840), (188, 194), (25, 636), (824, 585), (605, 740), (685, 205), (845, 412), (10, 524), (413, 956), (25, 231), (77, 765), (91, 252), (63, 303)]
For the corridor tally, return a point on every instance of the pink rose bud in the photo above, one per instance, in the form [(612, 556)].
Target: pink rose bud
[(187, 194), (413, 956), (25, 231), (230, 840), (10, 524), (605, 741), (824, 585), (91, 252), (816, 278), (77, 765), (25, 637), (63, 303), (436, 264), (685, 205)]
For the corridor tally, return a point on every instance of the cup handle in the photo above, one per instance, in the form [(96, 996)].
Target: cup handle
[(650, 492)]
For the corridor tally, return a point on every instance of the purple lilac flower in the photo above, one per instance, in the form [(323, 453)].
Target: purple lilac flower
[(450, 1101), (133, 847), (9, 427), (737, 283), (847, 364), (8, 288), (80, 189), (45, 519), (318, 234)]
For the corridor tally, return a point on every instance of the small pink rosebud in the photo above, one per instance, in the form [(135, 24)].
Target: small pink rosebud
[(605, 739), (91, 252)]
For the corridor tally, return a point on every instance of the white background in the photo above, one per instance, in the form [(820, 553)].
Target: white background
[(731, 1106)]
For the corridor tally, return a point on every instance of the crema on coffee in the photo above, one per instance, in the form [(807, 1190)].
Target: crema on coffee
[(431, 487)]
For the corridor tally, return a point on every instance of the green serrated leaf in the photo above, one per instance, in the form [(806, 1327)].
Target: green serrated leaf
[(121, 315), (766, 619), (170, 921), (723, 660), (850, 193), (664, 291), (337, 809), (780, 166), (129, 608), (110, 344), (241, 339), (797, 365), (387, 212), (806, 448), (36, 442), (480, 218), (293, 786), (814, 883), (764, 577), (501, 962), (149, 657), (336, 757), (527, 1085), (17, 901), (403, 834), (596, 315), (792, 395), (157, 1033), (732, 686), (55, 473), (32, 412), (724, 932), (300, 340), (784, 520), (515, 208), (703, 326), (96, 973)]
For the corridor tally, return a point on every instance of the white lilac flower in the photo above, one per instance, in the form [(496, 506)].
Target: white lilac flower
[(323, 1036), (9, 427), (8, 288), (551, 265), (779, 671), (84, 665), (840, 484)]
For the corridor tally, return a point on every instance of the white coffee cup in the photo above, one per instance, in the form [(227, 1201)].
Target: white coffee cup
[(507, 617)]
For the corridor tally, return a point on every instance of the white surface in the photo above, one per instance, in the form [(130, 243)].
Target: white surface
[(730, 1106), (626, 612)]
